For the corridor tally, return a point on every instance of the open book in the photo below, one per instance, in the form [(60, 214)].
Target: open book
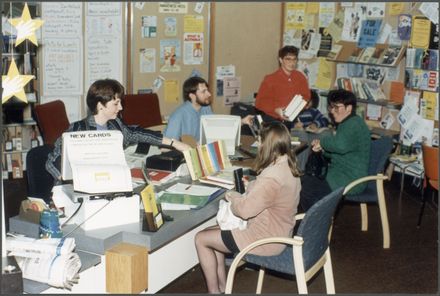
[(295, 107), (95, 161)]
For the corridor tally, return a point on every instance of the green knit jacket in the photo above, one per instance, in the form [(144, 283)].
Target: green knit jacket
[(349, 153)]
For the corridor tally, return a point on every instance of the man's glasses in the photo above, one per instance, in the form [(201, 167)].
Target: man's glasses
[(290, 59), (335, 107)]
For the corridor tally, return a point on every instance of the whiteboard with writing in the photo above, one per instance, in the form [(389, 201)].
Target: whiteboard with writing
[(103, 50), (62, 66), (104, 59), (62, 19)]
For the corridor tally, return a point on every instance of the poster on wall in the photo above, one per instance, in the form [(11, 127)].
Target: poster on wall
[(170, 56), (231, 90), (170, 26), (353, 18), (193, 48), (149, 26), (147, 60)]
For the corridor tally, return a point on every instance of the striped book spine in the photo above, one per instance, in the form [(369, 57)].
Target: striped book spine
[(213, 157)]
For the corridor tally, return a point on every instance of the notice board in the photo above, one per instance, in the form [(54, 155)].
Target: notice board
[(169, 43)]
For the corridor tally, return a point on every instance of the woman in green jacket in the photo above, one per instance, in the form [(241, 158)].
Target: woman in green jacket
[(347, 150)]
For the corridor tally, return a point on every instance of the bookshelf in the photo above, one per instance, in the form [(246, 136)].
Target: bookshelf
[(19, 129)]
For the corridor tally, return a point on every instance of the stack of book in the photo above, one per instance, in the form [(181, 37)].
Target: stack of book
[(207, 161)]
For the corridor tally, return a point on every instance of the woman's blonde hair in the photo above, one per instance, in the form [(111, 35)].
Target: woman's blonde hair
[(275, 142)]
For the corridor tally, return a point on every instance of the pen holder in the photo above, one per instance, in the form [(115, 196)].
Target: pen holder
[(50, 224)]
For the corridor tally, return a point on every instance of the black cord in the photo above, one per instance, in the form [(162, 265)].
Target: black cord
[(87, 219), (73, 215)]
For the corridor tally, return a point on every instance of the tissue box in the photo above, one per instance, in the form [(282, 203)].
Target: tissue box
[(28, 214), (119, 211)]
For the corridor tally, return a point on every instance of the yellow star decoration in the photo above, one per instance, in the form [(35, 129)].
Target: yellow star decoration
[(26, 26), (13, 84)]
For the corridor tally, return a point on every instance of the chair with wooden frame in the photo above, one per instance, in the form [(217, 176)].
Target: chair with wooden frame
[(374, 193), (305, 254), (430, 164)]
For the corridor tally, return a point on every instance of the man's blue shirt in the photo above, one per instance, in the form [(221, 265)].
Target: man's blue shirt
[(185, 120)]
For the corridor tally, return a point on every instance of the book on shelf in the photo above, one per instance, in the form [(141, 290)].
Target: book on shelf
[(430, 60), (355, 55), (366, 55), (186, 196), (421, 79), (295, 107), (374, 59), (390, 55), (374, 92), (334, 52)]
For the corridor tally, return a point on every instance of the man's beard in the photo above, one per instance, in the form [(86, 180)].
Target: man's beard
[(203, 104)]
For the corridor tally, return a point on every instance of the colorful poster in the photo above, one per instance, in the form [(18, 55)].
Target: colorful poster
[(170, 26), (430, 10), (395, 8), (171, 90), (199, 7), (149, 26), (428, 105), (376, 9), (295, 15), (336, 27), (352, 21), (193, 48), (324, 74), (326, 13), (369, 33), (193, 23), (170, 55), (147, 60), (404, 26), (312, 8), (421, 30)]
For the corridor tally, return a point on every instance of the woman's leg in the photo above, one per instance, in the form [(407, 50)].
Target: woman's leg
[(221, 270), (208, 244)]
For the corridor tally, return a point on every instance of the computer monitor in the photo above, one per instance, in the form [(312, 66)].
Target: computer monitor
[(221, 127)]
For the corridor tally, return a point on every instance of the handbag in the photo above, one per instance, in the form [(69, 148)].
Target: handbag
[(316, 165)]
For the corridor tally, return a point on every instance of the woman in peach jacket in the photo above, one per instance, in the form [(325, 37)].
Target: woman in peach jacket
[(269, 206)]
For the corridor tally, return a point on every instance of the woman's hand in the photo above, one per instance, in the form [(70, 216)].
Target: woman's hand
[(316, 145)]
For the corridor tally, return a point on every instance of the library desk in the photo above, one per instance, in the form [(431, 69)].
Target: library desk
[(171, 249)]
